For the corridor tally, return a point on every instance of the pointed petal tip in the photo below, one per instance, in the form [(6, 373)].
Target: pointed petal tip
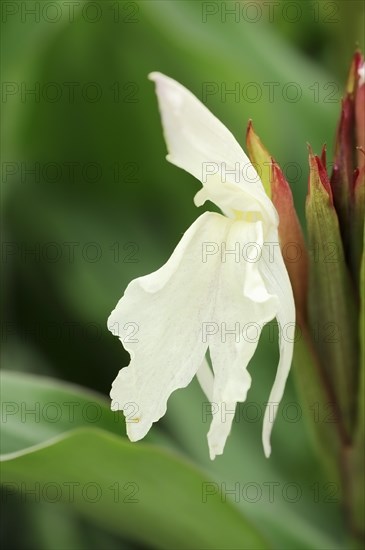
[(310, 150), (213, 451), (267, 451), (355, 76), (266, 434), (154, 76), (324, 155), (324, 177), (275, 166), (162, 81), (318, 173), (133, 437), (259, 156), (249, 127)]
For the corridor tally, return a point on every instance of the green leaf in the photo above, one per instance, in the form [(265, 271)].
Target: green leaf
[(137, 491), (139, 485), (36, 409)]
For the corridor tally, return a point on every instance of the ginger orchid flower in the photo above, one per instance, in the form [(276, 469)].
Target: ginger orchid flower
[(227, 270)]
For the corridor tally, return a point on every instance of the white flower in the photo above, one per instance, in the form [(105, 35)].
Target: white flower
[(214, 281)]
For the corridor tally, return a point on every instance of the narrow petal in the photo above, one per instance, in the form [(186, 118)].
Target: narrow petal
[(243, 306), (206, 379), (277, 281), (200, 144), (166, 310)]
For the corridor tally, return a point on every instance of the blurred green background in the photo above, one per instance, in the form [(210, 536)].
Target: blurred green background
[(89, 203)]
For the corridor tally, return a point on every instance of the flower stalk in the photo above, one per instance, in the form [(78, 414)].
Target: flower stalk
[(309, 376), (329, 289)]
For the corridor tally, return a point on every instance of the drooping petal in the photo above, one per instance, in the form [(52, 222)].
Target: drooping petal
[(277, 281), (200, 144), (166, 310), (206, 379), (243, 305)]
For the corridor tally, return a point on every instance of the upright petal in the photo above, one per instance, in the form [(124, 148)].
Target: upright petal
[(277, 281), (166, 310), (200, 144)]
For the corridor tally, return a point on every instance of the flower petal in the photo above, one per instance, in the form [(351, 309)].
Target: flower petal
[(206, 379), (277, 281), (242, 307), (166, 309), (200, 144)]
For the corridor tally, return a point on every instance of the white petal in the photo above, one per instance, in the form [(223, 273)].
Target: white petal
[(277, 281), (200, 144), (193, 134), (166, 309), (206, 379), (243, 306)]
